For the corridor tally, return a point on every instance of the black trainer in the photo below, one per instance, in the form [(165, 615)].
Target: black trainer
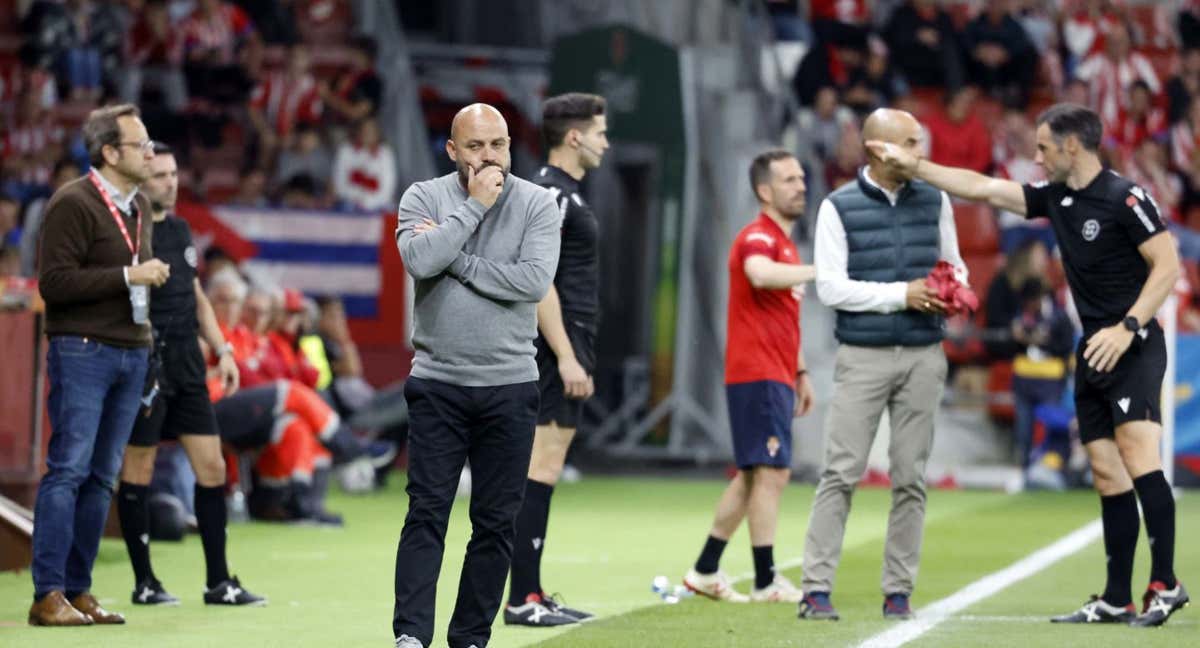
[(535, 614), (1160, 603), (151, 592), (555, 604), (230, 592), (1096, 610)]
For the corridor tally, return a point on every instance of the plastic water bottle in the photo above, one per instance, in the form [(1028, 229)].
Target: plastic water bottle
[(662, 587)]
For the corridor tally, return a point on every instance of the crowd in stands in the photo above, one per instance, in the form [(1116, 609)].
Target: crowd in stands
[(976, 74), (261, 108), (263, 111)]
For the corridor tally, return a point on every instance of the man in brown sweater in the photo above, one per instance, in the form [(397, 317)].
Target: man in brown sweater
[(96, 271)]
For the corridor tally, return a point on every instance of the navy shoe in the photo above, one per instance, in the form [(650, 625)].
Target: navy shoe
[(895, 606), (816, 605)]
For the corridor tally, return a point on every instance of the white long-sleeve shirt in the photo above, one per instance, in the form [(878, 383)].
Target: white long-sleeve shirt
[(837, 290)]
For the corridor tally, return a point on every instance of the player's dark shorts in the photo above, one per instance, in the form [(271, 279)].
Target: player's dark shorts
[(181, 405), (556, 407), (760, 416), (1132, 391)]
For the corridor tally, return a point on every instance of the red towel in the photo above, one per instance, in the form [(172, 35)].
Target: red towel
[(958, 298)]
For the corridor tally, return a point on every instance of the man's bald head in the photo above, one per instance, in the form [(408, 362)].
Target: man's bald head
[(894, 127), (479, 138), (890, 125), (473, 117)]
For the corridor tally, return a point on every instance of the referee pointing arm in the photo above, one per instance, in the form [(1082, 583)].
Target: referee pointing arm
[(1121, 264)]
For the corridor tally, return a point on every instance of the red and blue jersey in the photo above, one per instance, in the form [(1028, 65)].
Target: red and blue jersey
[(763, 336)]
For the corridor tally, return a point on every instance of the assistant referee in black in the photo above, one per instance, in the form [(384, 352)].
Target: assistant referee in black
[(575, 130), (176, 404), (1121, 265)]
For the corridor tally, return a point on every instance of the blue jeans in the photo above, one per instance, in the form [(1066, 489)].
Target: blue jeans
[(95, 393)]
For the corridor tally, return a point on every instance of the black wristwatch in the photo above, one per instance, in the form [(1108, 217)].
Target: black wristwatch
[(1131, 323)]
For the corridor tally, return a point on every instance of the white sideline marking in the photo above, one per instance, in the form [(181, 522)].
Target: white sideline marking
[(938, 611)]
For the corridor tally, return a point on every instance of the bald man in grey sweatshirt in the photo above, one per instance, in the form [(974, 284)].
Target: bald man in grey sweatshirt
[(482, 246)]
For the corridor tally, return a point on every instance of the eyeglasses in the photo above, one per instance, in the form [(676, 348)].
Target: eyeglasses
[(144, 145)]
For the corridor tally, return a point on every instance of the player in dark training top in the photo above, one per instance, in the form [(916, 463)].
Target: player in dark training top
[(176, 404), (575, 132), (1121, 265)]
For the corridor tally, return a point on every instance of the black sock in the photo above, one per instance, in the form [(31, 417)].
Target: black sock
[(764, 565), (1120, 516), (710, 557), (211, 518), (529, 542), (1158, 507), (134, 512)]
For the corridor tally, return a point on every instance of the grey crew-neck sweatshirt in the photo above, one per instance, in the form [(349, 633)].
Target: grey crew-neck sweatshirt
[(479, 275)]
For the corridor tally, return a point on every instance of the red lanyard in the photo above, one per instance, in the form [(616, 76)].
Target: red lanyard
[(112, 209)]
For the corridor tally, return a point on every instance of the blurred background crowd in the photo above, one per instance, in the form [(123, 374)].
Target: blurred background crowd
[(300, 105)]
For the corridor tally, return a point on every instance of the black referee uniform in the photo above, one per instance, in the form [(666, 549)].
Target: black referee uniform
[(176, 402), (182, 404), (577, 283), (1099, 229)]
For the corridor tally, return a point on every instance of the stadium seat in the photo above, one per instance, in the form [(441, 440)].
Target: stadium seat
[(977, 231), (982, 268), (999, 389)]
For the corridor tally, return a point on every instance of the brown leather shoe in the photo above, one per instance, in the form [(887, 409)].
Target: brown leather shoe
[(88, 604), (53, 610)]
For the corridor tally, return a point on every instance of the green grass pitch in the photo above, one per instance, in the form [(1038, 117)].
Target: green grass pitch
[(608, 538)]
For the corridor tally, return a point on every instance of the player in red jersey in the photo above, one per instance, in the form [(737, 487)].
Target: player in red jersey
[(766, 384)]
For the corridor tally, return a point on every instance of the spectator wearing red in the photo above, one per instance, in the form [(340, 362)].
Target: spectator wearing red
[(836, 21), (1138, 120), (30, 144), (358, 93), (284, 99), (154, 56), (958, 138), (364, 170), (283, 339), (1086, 24), (1148, 168), (1014, 156), (212, 38), (1109, 73), (215, 31)]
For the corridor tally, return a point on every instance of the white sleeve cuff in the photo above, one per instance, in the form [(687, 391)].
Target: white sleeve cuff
[(898, 295), (125, 272)]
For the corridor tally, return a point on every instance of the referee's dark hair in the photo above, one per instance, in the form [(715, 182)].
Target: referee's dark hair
[(566, 111), (760, 168), (1072, 119), (101, 129)]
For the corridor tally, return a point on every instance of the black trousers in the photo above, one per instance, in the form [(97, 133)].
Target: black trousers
[(448, 424)]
